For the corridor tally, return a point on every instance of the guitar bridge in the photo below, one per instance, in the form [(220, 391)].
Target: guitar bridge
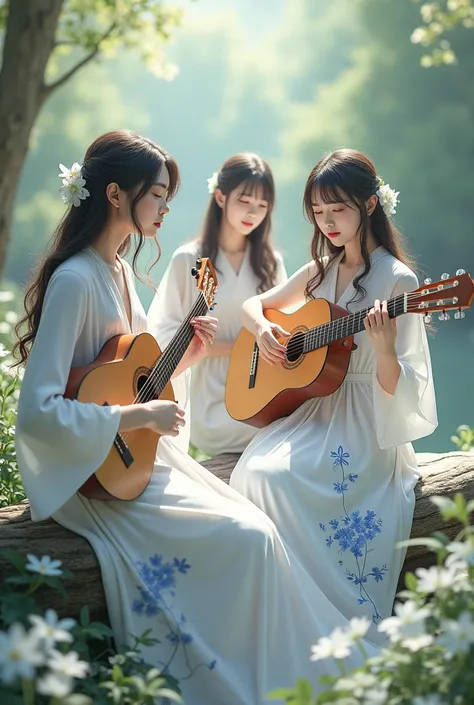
[(122, 447), (124, 450), (253, 366)]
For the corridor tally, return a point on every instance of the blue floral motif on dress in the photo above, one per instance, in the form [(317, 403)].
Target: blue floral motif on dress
[(352, 532), (159, 578)]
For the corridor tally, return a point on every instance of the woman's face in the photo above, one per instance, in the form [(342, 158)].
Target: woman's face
[(339, 221), (244, 211), (152, 208)]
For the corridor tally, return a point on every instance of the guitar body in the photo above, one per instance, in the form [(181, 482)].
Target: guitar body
[(116, 377), (273, 391)]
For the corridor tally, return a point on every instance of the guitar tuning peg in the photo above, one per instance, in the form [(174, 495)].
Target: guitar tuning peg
[(427, 281), (428, 317), (445, 276), (194, 272), (198, 262), (444, 316), (459, 314), (460, 271)]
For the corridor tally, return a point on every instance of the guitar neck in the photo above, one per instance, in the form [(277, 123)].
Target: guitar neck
[(169, 360), (353, 323)]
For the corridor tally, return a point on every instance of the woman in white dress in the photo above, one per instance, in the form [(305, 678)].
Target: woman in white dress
[(337, 476), (232, 612), (236, 236)]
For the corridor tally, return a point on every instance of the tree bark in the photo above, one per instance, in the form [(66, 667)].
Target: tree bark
[(29, 41), (442, 474)]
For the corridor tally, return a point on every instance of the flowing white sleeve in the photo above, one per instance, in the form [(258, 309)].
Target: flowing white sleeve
[(170, 306), (59, 442), (411, 412), (281, 273)]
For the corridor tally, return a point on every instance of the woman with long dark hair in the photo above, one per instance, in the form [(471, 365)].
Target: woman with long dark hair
[(337, 476), (236, 235)]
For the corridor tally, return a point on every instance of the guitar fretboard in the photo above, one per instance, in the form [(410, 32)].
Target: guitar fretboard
[(353, 323), (166, 364)]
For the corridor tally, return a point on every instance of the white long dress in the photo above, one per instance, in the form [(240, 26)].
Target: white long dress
[(191, 559), (337, 475), (213, 431)]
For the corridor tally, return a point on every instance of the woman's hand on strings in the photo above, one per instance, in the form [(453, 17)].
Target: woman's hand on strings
[(164, 417), (381, 329), (271, 350), (204, 333)]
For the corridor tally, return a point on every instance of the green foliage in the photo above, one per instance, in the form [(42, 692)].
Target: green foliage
[(94, 26), (34, 646), (87, 28), (11, 487), (439, 19), (464, 438), (429, 656)]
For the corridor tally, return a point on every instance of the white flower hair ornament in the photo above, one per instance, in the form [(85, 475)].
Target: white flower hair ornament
[(72, 191), (213, 182), (388, 197)]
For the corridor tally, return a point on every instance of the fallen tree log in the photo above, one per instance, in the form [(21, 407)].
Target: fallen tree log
[(442, 474)]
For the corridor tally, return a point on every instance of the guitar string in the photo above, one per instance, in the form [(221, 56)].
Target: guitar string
[(160, 376), (336, 327)]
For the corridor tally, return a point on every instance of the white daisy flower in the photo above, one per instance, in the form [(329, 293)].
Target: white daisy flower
[(409, 621), (337, 645), (45, 565), (19, 654), (457, 636), (434, 578), (75, 172), (50, 629), (68, 664), (57, 685), (73, 189), (213, 182), (358, 627)]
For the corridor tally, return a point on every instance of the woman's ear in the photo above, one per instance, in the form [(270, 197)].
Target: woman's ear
[(113, 194), (219, 198), (371, 204)]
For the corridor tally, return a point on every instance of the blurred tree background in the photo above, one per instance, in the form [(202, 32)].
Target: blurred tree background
[(289, 79)]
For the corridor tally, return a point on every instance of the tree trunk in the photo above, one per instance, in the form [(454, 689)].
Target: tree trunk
[(29, 42), (442, 474)]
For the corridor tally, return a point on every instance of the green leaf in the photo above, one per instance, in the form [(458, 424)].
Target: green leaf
[(281, 694), (411, 581), (442, 538), (15, 559), (171, 695), (304, 691), (84, 617), (15, 607), (77, 699)]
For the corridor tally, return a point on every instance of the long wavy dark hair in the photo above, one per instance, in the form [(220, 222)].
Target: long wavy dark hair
[(122, 157), (253, 175), (347, 174)]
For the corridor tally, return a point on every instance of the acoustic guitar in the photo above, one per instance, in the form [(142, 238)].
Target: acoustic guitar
[(131, 369), (318, 350)]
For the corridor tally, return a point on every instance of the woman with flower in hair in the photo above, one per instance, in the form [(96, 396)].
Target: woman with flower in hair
[(236, 236), (190, 561), (337, 476)]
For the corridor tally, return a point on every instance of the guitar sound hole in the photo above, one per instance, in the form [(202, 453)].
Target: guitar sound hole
[(294, 348), (144, 393)]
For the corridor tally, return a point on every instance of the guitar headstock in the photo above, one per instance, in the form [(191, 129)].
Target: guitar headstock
[(448, 294), (206, 279)]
